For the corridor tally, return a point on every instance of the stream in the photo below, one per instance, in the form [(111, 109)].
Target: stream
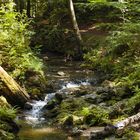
[(65, 76)]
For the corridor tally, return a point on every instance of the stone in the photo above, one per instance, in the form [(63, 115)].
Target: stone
[(46, 58), (50, 88), (91, 98), (51, 113), (59, 97), (28, 106), (76, 131), (61, 73), (80, 92), (68, 121), (50, 105), (3, 102)]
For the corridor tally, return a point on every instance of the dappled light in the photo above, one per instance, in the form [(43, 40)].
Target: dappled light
[(69, 69)]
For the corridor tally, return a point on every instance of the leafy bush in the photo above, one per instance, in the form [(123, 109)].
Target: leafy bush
[(7, 113), (16, 55), (98, 11), (95, 116), (6, 116)]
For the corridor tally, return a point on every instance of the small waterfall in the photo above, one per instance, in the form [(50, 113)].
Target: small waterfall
[(34, 117), (75, 85)]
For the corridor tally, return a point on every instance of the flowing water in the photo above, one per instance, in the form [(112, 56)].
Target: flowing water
[(35, 127)]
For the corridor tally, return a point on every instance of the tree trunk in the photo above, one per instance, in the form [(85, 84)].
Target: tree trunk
[(29, 8), (15, 95), (17, 5), (130, 121), (75, 26), (21, 5)]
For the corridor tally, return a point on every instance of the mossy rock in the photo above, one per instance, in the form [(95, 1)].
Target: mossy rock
[(68, 121), (50, 105)]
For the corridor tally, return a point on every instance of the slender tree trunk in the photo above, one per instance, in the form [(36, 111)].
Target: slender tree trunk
[(21, 5), (29, 8), (17, 5), (14, 94), (75, 26)]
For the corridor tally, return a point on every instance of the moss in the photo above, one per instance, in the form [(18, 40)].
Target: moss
[(96, 116), (81, 113), (73, 105), (129, 134), (6, 117)]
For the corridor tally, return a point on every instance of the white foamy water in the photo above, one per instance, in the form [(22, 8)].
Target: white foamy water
[(33, 116), (74, 85)]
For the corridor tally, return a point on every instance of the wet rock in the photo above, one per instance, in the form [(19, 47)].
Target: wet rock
[(34, 81), (51, 113), (100, 90), (51, 87), (50, 105), (68, 121), (61, 73), (108, 83), (28, 106), (102, 134), (59, 97), (46, 58), (80, 92), (35, 93), (76, 131), (103, 104), (91, 98)]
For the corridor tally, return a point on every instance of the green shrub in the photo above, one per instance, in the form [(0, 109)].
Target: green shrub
[(16, 55)]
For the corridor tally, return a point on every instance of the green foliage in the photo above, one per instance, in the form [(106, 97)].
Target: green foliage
[(119, 56), (16, 55), (55, 38), (119, 50), (96, 1), (98, 11), (94, 116), (130, 135), (7, 113)]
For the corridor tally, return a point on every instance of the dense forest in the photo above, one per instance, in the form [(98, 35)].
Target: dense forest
[(69, 69)]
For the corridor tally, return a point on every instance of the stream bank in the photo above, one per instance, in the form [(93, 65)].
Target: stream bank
[(76, 105)]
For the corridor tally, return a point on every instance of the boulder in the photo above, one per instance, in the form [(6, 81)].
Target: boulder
[(28, 106), (76, 131), (3, 102), (45, 58), (61, 73), (59, 97), (51, 113), (68, 121), (91, 98), (50, 105)]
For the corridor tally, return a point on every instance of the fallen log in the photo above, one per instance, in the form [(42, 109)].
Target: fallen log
[(118, 128), (130, 121), (14, 94)]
